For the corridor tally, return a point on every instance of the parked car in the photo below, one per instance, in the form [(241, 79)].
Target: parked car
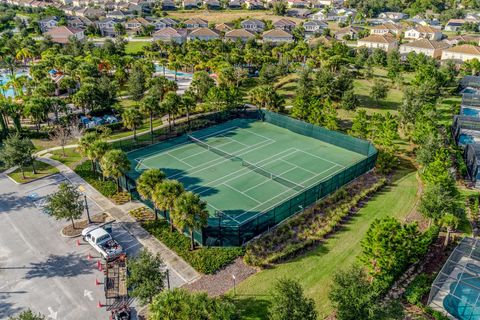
[(103, 242)]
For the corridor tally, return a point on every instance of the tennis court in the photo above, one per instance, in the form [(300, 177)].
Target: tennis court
[(245, 166)]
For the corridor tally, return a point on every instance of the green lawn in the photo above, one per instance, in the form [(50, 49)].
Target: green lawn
[(71, 159), (133, 47), (144, 127), (42, 170), (315, 269)]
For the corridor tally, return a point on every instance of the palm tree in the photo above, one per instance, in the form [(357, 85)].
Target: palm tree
[(97, 150), (165, 194), (85, 144), (170, 106), (188, 103), (150, 104), (24, 54), (450, 222), (132, 119), (189, 212), (147, 183), (115, 164)]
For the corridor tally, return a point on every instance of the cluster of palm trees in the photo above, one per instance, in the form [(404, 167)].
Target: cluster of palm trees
[(187, 212)]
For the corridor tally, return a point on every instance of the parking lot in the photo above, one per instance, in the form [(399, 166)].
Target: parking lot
[(40, 269)]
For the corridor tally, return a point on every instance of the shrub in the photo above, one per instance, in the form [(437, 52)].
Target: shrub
[(106, 187), (418, 288), (205, 259)]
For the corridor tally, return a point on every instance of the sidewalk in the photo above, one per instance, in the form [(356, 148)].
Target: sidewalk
[(120, 214)]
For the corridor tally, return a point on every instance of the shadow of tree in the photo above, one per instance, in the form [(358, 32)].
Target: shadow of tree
[(7, 309), (69, 265), (256, 306)]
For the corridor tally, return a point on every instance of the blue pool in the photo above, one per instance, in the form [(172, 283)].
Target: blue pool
[(469, 90), (471, 112), (168, 72), (465, 139), (463, 302), (4, 78)]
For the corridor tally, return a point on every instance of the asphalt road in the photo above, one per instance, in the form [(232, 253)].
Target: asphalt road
[(40, 269)]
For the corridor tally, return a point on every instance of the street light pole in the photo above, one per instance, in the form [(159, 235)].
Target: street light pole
[(168, 279), (233, 277), (86, 208)]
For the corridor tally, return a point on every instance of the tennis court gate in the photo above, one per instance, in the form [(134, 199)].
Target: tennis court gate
[(223, 231)]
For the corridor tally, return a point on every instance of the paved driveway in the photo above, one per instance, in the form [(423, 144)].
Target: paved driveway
[(40, 269)]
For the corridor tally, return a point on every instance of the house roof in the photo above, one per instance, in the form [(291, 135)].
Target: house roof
[(196, 21), (379, 38), (427, 44), (239, 33), (277, 33), (316, 22), (140, 20), (348, 29), (203, 32), (465, 48), (284, 23), (426, 29), (465, 38), (388, 26), (223, 27), (63, 31), (171, 32), (253, 21), (455, 22)]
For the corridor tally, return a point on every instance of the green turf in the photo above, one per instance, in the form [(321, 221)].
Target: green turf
[(315, 269), (133, 47), (228, 185), (42, 170)]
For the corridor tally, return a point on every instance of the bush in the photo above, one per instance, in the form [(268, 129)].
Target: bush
[(205, 259), (418, 288), (106, 187)]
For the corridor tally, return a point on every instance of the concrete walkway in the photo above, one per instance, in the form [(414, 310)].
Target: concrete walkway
[(120, 213)]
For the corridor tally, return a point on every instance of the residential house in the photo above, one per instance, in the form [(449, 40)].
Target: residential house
[(212, 4), (253, 25), (430, 48), (191, 4), (169, 34), (297, 3), (107, 27), (385, 42), (69, 10), (203, 34), (314, 26), (285, 24), (277, 36), (116, 14), (454, 24), (463, 39), (299, 13), (169, 22), (195, 23), (386, 28), (78, 22), (48, 23), (473, 17), (90, 13), (223, 27), (239, 34), (343, 14), (327, 3), (423, 32), (135, 25), (425, 22), (347, 33), (394, 16), (323, 16), (168, 5), (63, 34), (254, 4), (235, 4), (461, 53)]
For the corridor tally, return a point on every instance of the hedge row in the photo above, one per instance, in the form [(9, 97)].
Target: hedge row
[(311, 226), (204, 259), (106, 187)]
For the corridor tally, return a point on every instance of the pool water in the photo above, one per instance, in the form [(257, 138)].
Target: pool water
[(465, 139), (463, 302), (4, 78), (168, 72), (469, 90), (471, 112)]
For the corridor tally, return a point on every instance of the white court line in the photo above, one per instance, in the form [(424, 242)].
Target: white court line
[(235, 189), (269, 180), (206, 150), (241, 169), (216, 209), (280, 194), (301, 168), (171, 155), (249, 149), (258, 134), (179, 145), (321, 158), (236, 141)]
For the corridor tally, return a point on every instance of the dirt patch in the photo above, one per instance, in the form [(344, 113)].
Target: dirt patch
[(70, 231), (220, 282)]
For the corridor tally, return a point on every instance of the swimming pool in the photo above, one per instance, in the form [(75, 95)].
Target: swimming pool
[(470, 112), (168, 72), (469, 90), (463, 302), (465, 139), (4, 78)]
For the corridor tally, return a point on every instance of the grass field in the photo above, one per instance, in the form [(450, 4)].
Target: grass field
[(315, 269), (133, 47), (292, 163), (41, 168), (221, 16), (71, 159)]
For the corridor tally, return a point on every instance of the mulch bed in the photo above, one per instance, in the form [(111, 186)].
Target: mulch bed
[(70, 231), (121, 198), (142, 214), (222, 281)]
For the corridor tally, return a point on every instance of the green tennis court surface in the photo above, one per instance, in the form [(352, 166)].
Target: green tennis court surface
[(244, 167)]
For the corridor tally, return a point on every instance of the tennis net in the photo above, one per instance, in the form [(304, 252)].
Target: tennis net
[(272, 176), (214, 150)]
